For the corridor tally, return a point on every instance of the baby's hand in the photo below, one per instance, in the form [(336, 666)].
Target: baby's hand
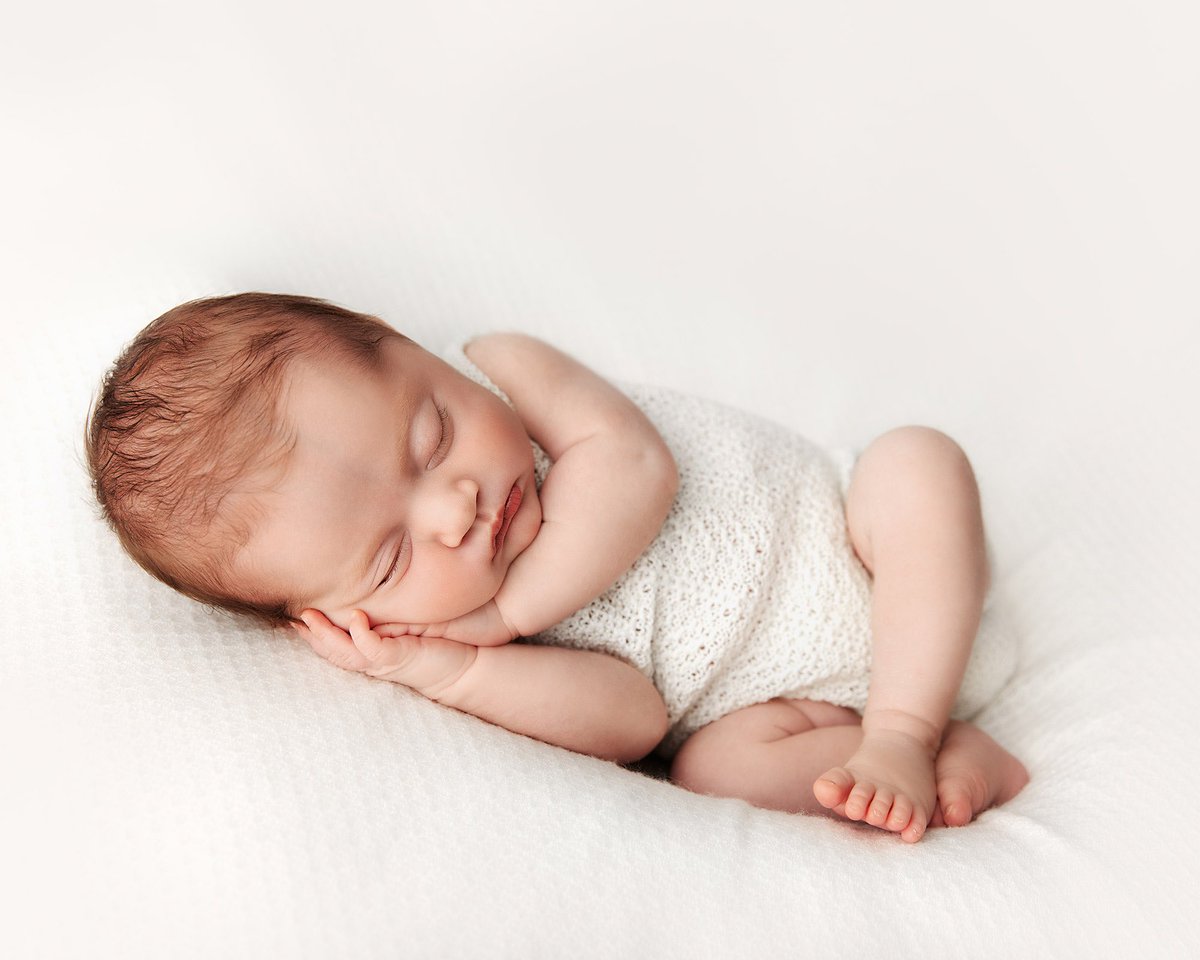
[(482, 627), (428, 664)]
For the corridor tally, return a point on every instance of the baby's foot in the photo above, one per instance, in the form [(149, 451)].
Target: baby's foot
[(889, 782), (973, 772)]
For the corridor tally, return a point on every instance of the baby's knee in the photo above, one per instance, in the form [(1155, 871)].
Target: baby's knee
[(915, 449), (718, 759), (698, 766)]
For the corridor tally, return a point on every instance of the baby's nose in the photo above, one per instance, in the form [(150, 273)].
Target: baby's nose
[(457, 509)]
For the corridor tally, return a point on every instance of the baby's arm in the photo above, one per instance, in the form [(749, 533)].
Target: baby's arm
[(605, 498), (585, 701)]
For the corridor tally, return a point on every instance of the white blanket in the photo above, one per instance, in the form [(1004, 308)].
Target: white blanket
[(843, 218)]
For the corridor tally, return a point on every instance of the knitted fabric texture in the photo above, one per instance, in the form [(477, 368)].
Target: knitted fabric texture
[(752, 589)]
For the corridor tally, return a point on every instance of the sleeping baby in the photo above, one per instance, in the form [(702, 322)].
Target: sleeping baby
[(803, 628)]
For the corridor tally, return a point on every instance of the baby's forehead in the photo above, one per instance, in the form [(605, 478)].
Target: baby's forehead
[(324, 394), (403, 368)]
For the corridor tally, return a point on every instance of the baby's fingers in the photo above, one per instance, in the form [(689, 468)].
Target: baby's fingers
[(397, 629), (368, 641), (331, 641), (319, 647), (410, 629), (390, 657)]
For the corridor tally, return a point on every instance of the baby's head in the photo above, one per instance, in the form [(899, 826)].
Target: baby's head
[(267, 453)]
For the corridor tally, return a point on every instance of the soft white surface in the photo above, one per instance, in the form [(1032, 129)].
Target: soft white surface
[(846, 218)]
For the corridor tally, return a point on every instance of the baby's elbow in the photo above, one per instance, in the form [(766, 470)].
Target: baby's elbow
[(666, 479), (667, 468), (649, 728), (670, 472), (656, 730)]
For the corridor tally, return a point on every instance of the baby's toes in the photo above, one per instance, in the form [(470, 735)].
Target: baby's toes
[(833, 787), (937, 820), (901, 815), (955, 800), (916, 826), (860, 798), (880, 807)]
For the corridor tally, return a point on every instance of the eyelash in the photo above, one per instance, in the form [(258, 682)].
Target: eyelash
[(395, 562), (443, 446), (447, 433)]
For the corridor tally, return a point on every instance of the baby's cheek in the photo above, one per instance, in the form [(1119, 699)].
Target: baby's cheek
[(438, 596), (528, 522)]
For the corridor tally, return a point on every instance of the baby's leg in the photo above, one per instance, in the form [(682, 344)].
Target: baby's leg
[(914, 518), (769, 754)]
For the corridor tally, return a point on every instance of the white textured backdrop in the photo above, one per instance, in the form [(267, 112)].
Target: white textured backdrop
[(844, 217)]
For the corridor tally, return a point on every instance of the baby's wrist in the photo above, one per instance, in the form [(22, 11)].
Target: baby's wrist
[(514, 612), (511, 629), (456, 663)]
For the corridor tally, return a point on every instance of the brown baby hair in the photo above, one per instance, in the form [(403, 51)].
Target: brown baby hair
[(186, 418)]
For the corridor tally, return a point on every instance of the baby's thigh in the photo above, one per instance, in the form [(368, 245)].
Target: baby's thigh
[(715, 753)]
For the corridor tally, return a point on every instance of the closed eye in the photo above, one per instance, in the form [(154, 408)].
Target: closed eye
[(438, 456), (395, 562), (447, 436)]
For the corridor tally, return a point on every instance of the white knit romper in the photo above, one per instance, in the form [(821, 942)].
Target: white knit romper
[(752, 589)]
